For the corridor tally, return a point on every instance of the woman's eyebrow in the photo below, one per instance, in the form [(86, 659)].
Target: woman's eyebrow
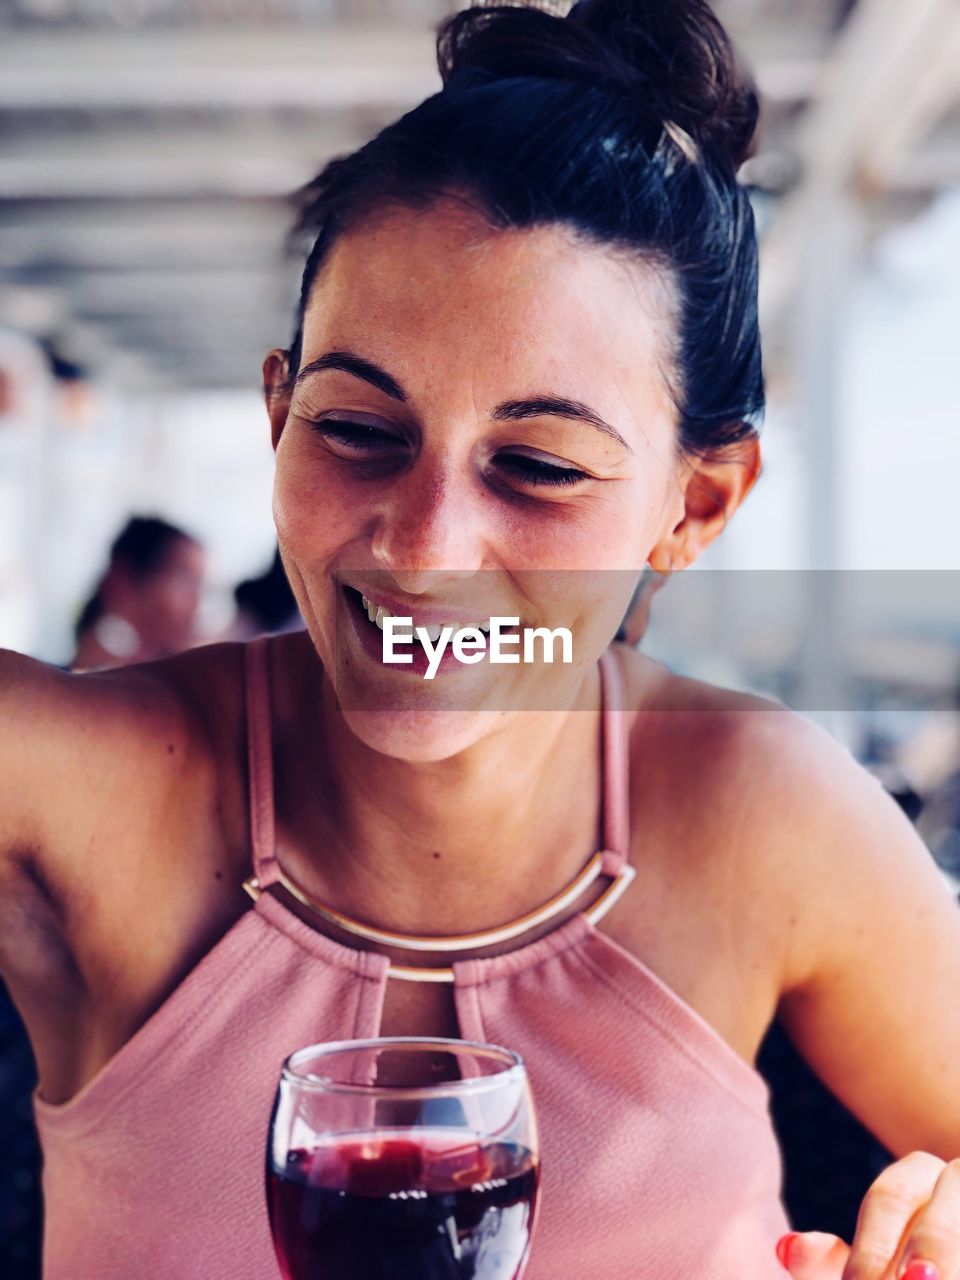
[(360, 368), (509, 411), (556, 407)]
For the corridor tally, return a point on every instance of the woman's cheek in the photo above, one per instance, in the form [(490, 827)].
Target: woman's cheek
[(601, 530), (313, 516)]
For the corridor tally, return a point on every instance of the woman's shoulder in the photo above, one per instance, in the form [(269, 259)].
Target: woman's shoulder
[(128, 764), (176, 701), (709, 742), (193, 703), (201, 689), (143, 820), (77, 746), (760, 799), (693, 715)]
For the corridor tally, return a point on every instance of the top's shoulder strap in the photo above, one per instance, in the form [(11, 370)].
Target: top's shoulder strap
[(260, 763), (616, 765)]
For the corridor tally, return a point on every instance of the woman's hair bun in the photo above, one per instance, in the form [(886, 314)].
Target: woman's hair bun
[(672, 57)]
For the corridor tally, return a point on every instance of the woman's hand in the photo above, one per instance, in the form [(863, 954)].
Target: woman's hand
[(909, 1226)]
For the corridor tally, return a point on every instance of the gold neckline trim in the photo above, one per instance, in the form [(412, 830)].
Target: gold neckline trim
[(467, 941)]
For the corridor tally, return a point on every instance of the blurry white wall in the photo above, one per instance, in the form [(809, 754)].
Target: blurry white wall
[(201, 460), (900, 405)]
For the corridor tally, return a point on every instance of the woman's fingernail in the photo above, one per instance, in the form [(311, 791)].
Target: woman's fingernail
[(921, 1271), (785, 1244)]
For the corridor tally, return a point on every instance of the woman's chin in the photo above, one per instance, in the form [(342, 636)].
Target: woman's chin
[(421, 735)]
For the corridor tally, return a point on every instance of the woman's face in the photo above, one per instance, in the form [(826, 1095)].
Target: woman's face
[(427, 459)]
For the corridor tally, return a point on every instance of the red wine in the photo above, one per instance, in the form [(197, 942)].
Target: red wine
[(422, 1204)]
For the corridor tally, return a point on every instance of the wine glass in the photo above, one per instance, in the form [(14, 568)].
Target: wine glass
[(403, 1159)]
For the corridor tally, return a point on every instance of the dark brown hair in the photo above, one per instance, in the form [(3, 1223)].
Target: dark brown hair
[(626, 121)]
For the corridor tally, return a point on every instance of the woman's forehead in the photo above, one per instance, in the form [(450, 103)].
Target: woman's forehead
[(440, 287)]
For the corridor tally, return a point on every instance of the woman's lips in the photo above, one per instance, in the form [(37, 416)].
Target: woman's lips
[(447, 614), (370, 639)]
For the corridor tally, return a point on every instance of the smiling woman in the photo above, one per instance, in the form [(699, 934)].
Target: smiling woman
[(434, 483), (526, 365)]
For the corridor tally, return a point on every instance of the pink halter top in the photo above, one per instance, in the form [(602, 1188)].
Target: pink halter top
[(659, 1157)]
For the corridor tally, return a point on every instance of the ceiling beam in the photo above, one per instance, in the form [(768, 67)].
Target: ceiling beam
[(165, 163), (239, 68), (933, 167), (158, 292), (278, 66), (132, 235), (875, 75), (935, 89)]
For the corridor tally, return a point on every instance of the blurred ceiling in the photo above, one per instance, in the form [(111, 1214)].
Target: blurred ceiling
[(148, 146)]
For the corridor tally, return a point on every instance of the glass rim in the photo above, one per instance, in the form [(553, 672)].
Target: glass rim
[(515, 1071)]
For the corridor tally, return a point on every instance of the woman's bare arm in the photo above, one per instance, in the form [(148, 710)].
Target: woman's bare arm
[(872, 987), (111, 822)]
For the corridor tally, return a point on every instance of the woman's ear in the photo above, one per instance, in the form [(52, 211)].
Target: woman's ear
[(276, 391), (712, 488)]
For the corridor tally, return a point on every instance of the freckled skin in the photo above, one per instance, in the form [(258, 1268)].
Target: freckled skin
[(465, 318)]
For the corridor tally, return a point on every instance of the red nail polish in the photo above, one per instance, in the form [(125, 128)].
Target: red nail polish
[(785, 1244), (921, 1271)]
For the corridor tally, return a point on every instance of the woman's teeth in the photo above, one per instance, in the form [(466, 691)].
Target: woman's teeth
[(376, 613)]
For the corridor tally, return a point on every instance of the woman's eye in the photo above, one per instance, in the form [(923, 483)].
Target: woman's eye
[(356, 435), (534, 471), (361, 437)]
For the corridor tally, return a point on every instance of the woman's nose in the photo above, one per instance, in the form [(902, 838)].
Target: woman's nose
[(430, 524)]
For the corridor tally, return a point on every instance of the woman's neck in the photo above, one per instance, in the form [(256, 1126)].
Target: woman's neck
[(452, 846)]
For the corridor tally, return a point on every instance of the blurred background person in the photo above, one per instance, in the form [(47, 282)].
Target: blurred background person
[(145, 605), (265, 605)]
